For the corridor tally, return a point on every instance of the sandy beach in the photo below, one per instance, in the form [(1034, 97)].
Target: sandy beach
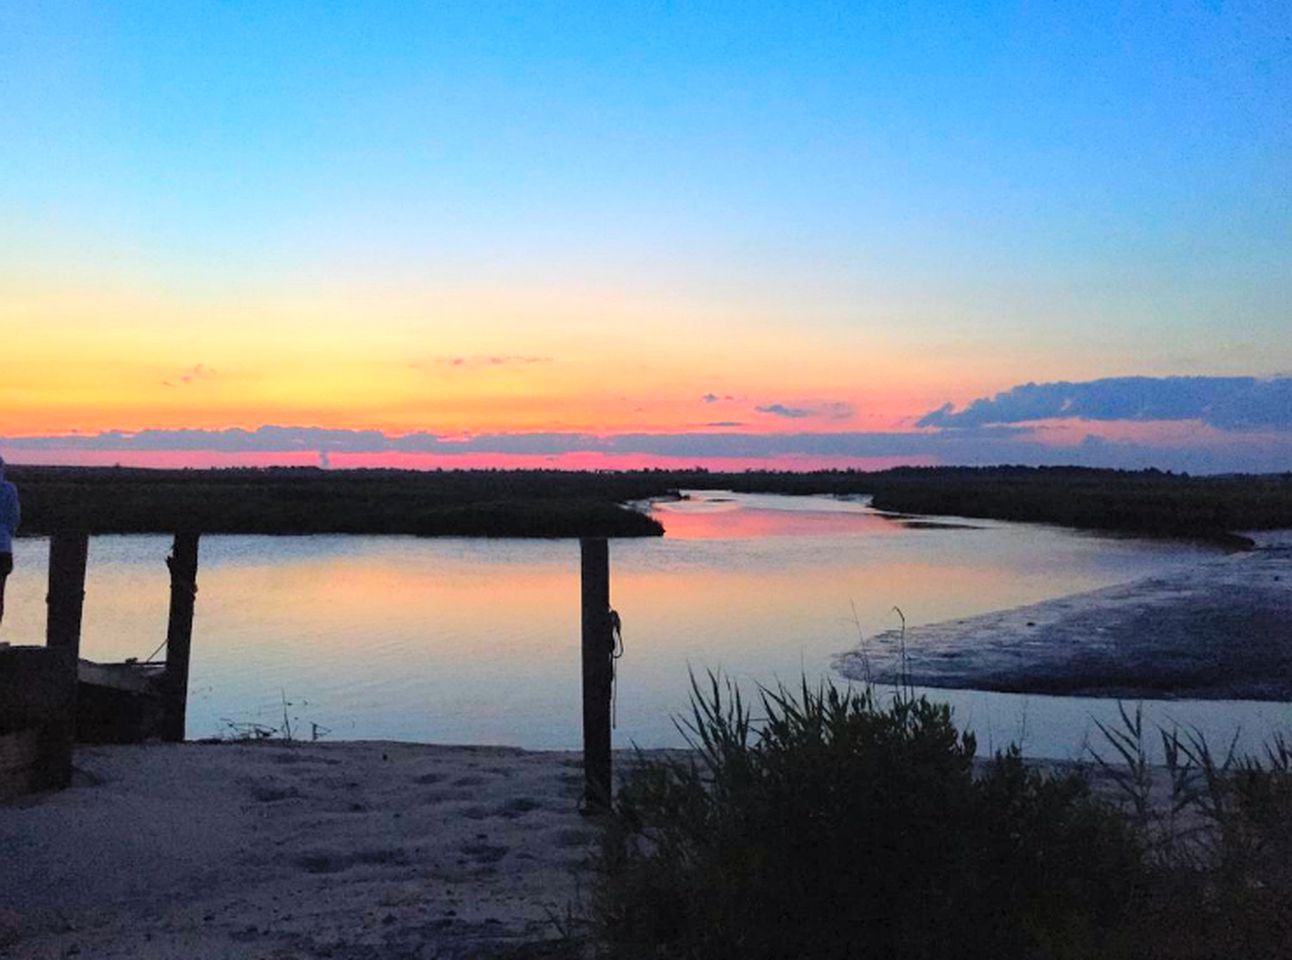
[(1217, 630), (353, 851)]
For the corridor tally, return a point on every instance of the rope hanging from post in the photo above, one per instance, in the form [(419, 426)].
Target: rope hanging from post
[(176, 584), (616, 651)]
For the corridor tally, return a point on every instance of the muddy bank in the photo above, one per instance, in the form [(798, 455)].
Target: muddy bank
[(1220, 630)]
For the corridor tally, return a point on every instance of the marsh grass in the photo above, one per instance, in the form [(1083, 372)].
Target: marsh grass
[(824, 822), (1216, 835), (557, 503), (840, 823), (295, 500)]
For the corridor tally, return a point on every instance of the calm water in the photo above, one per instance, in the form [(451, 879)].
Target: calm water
[(477, 641)]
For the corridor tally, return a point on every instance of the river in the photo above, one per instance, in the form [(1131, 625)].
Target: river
[(477, 641)]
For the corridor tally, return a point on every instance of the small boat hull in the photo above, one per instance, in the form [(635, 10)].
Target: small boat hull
[(118, 702)]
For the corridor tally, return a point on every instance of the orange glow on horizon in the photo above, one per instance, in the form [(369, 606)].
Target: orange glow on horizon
[(133, 353)]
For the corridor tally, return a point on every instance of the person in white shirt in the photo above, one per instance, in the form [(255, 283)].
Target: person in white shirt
[(10, 517)]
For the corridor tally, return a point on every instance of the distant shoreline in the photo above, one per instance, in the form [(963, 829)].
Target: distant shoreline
[(566, 504)]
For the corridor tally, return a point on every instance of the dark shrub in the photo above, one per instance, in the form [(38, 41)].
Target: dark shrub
[(837, 826)]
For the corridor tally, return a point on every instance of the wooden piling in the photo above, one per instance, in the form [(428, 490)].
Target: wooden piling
[(182, 563), (66, 597), (47, 679), (598, 646)]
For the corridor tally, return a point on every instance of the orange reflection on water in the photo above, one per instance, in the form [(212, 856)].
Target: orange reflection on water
[(406, 587), (715, 518)]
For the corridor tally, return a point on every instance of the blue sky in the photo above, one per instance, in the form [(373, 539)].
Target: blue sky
[(981, 194)]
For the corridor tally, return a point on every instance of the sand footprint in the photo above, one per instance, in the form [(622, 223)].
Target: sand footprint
[(482, 852), (517, 807)]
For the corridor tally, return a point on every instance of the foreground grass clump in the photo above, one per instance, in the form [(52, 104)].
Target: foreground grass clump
[(837, 826), (1216, 832)]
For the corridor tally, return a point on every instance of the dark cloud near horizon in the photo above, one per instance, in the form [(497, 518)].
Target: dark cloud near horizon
[(1226, 403), (968, 446)]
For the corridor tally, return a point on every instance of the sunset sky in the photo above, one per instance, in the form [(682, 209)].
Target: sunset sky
[(612, 234)]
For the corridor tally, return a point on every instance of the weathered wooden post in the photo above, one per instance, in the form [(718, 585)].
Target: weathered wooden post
[(598, 647), (66, 597), (53, 684), (182, 563)]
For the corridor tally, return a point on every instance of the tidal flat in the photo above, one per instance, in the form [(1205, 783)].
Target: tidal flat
[(1220, 629)]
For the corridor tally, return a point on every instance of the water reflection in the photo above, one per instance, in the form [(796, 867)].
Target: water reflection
[(476, 641)]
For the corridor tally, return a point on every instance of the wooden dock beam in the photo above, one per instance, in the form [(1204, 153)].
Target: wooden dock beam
[(182, 563), (598, 647)]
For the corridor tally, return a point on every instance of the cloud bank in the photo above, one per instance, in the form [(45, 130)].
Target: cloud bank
[(1218, 424), (1226, 403), (965, 445)]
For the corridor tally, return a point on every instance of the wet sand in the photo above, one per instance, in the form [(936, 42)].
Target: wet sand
[(1219, 630), (344, 850)]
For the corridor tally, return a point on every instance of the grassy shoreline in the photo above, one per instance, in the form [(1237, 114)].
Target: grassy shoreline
[(556, 503), (291, 500)]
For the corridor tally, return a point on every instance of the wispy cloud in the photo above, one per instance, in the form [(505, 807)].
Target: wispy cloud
[(780, 410), (838, 411), (190, 375), (485, 361), (831, 410), (1226, 403)]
